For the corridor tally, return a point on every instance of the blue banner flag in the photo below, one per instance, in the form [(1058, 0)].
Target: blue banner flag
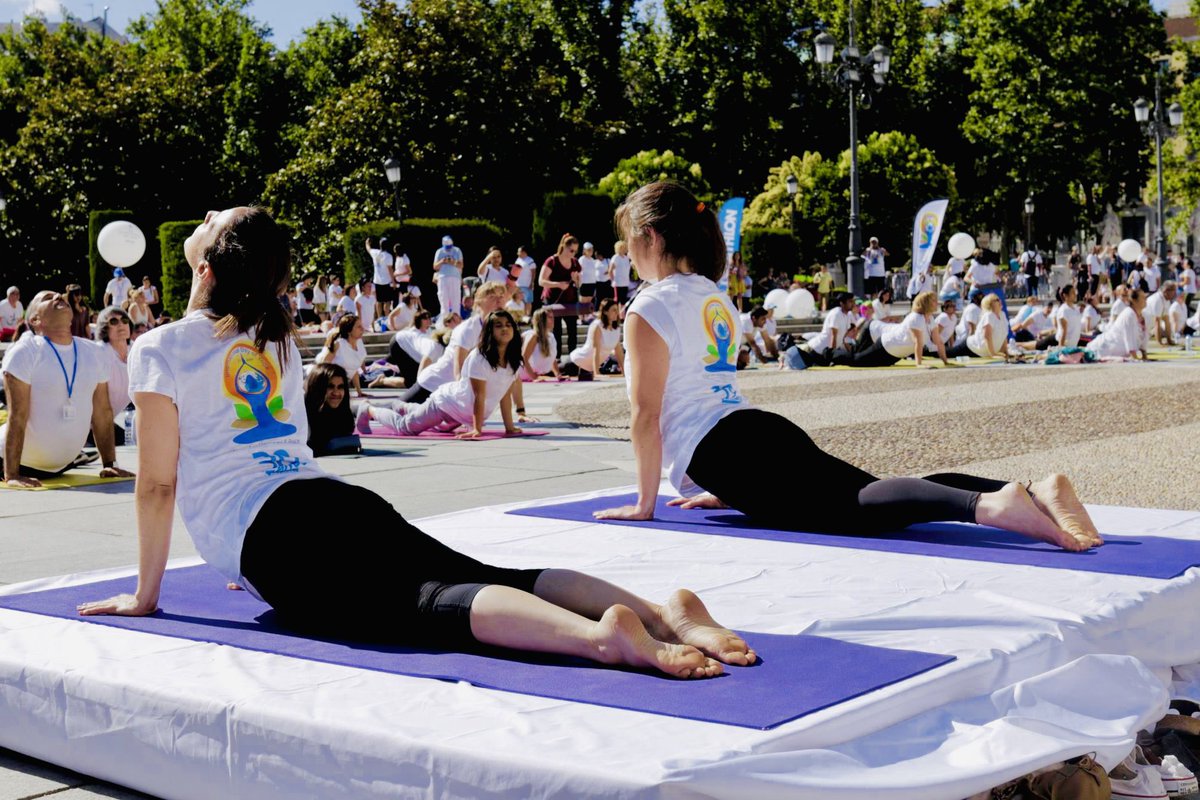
[(730, 220)]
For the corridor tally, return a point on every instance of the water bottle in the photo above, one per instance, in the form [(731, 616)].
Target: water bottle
[(1187, 344), (130, 433)]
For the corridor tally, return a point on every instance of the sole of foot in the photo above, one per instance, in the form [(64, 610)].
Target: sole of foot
[(688, 622), (1012, 509), (1055, 496), (621, 638)]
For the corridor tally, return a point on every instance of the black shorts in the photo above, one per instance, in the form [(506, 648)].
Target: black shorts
[(384, 293), (587, 290)]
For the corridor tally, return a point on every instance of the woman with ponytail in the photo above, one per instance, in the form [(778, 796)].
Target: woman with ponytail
[(681, 335), (344, 347), (1068, 322), (222, 430)]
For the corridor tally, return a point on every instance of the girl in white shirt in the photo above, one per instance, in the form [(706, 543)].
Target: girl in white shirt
[(689, 413), (603, 339), (899, 340), (1090, 313), (344, 347), (1068, 322), (410, 345), (539, 348), (1126, 336), (321, 297), (492, 267), (620, 269), (588, 275), (402, 269), (247, 484)]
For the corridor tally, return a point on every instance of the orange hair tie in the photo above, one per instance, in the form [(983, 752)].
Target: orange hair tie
[(699, 207)]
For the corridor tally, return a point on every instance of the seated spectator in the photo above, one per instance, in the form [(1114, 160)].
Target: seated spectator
[(990, 337), (410, 346), (346, 304), (403, 314), (603, 339), (539, 347), (330, 420), (1035, 319), (884, 306), (56, 389), (1178, 314), (114, 334), (11, 314), (952, 288), (345, 348)]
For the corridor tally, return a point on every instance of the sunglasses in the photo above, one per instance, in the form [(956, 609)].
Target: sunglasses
[(116, 320)]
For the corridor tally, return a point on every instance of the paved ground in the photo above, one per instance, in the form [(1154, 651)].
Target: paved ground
[(1126, 433)]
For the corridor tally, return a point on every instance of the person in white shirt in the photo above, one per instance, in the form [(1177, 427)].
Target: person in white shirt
[(401, 271), (1178, 313), (402, 315), (114, 336), (972, 313), (952, 288), (1191, 326), (920, 282), (589, 274), (447, 273), (885, 310), (344, 347), (11, 313), (320, 297), (603, 339), (525, 277), (989, 340), (946, 322), (410, 345), (383, 270), (117, 290), (1090, 313), (1187, 282), (874, 266), (982, 271), (153, 298), (305, 313), (539, 347), (1068, 322), (348, 304), (1034, 323), (1158, 316), (815, 352), (1094, 269), (492, 267), (620, 268), (899, 340), (689, 413), (756, 338), (955, 266), (247, 487), (1152, 275), (1126, 336), (365, 305), (335, 292), (56, 388)]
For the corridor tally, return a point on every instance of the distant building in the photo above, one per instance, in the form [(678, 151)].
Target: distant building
[(96, 26)]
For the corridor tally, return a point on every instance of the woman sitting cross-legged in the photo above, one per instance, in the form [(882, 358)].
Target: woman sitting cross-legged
[(221, 431), (689, 413)]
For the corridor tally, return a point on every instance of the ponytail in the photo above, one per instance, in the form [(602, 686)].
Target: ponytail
[(688, 228)]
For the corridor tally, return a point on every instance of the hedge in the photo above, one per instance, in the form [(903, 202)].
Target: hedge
[(420, 239), (767, 248), (176, 274), (587, 215)]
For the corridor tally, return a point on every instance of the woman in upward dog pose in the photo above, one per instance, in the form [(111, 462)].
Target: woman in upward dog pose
[(689, 413), (222, 431)]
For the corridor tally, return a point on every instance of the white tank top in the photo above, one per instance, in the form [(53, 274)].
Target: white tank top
[(702, 332)]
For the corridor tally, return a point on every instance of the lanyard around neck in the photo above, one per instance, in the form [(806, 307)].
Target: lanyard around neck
[(74, 367)]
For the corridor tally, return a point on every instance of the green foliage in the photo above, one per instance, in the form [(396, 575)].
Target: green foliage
[(649, 166), (176, 274), (764, 249), (587, 215), (99, 270), (421, 238)]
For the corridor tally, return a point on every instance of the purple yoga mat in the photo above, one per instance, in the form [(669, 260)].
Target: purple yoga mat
[(797, 675), (1144, 556)]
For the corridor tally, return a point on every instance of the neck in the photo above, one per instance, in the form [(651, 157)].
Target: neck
[(58, 335), (121, 346)]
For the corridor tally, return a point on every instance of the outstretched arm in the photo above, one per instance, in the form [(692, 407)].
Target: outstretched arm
[(20, 398)]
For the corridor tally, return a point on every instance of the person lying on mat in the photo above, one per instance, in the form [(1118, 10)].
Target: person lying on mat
[(899, 340), (689, 413), (489, 380), (327, 409), (221, 431), (56, 388)]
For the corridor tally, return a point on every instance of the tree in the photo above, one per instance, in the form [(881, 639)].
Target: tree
[(651, 165)]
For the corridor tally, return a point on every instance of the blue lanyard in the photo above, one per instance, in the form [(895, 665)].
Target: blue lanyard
[(74, 368)]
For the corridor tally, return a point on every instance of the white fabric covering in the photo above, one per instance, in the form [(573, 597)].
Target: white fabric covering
[(1052, 664)]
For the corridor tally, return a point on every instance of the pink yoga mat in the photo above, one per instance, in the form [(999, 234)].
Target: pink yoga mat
[(488, 434)]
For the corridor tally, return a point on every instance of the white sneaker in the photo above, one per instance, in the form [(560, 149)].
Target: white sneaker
[(1177, 779), (1143, 783)]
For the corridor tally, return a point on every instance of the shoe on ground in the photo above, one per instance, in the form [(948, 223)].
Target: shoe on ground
[(1135, 779), (1178, 780), (85, 457)]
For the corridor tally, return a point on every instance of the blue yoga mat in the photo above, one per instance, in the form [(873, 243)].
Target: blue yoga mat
[(797, 675), (1143, 556)]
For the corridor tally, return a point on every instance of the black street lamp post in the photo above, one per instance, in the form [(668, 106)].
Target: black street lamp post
[(793, 187), (391, 168), (1161, 125), (1029, 209), (848, 75)]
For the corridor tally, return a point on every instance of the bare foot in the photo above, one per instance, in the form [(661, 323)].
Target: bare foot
[(621, 638), (688, 621), (1055, 496), (1013, 509)]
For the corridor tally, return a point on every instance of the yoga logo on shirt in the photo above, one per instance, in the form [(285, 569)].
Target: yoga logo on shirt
[(252, 381), (718, 325)]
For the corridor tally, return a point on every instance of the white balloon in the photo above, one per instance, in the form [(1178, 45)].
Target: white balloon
[(800, 304), (777, 299), (961, 245), (121, 243), (1130, 250)]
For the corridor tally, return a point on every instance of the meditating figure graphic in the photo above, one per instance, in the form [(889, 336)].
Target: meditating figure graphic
[(719, 328), (254, 386)]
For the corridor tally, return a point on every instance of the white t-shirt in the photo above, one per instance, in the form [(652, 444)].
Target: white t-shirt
[(1178, 314), (119, 289), (970, 316), (1117, 307), (999, 333), (1187, 280), (836, 321), (382, 259), (921, 282), (874, 262), (539, 363), (955, 266), (1090, 317), (347, 306), (51, 440), (150, 293), (336, 292), (590, 269), (302, 302), (319, 297), (457, 398), (118, 382), (528, 267), (1156, 306), (1153, 276), (621, 266), (242, 428), (1070, 313), (1193, 321), (447, 269), (345, 356), (10, 315), (982, 274), (1122, 337), (465, 337), (494, 273), (609, 339), (700, 328), (1093, 264), (402, 317), (403, 268), (945, 326), (365, 308), (413, 342), (898, 340)]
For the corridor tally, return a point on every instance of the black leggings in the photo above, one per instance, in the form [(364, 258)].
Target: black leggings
[(376, 578), (845, 499), (571, 338), (873, 355), (408, 366), (961, 349), (415, 393)]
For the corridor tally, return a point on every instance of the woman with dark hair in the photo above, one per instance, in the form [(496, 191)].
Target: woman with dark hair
[(80, 313), (681, 335), (559, 280), (114, 335), (603, 339), (220, 431), (410, 345), (327, 407), (344, 347)]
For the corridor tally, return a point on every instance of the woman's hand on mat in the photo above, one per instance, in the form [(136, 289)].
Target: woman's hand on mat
[(625, 512), (123, 605), (470, 433), (705, 500), (116, 472), (21, 482), (526, 419)]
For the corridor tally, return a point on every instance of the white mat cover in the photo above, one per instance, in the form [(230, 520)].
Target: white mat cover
[(1051, 664)]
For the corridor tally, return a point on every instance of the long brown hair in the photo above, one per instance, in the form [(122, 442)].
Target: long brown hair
[(542, 320), (687, 227), (566, 241), (341, 331), (252, 262)]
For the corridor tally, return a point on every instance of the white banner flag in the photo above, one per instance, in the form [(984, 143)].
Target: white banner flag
[(927, 227)]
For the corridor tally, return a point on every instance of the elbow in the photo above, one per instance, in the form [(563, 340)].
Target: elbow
[(155, 488)]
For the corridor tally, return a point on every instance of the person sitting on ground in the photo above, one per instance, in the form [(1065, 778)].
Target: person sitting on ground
[(250, 514), (815, 352), (56, 389), (11, 314), (1126, 336), (1158, 316), (410, 345), (1120, 303), (1034, 319), (539, 347), (952, 287), (603, 339), (946, 322), (972, 313), (114, 334), (1178, 313), (1068, 322), (754, 332), (489, 297), (899, 340), (680, 421), (327, 407), (516, 302), (402, 315), (885, 307), (1090, 313), (344, 347), (990, 338), (348, 304)]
